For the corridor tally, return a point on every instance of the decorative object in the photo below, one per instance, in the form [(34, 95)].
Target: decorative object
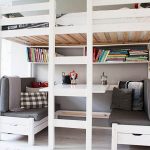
[(73, 77), (103, 79), (65, 78)]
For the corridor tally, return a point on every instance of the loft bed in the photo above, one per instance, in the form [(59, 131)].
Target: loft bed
[(109, 26)]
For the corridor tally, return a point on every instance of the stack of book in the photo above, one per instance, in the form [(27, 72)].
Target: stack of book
[(37, 54), (137, 55), (117, 56)]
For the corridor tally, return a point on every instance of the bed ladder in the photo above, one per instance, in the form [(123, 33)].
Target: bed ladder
[(87, 124)]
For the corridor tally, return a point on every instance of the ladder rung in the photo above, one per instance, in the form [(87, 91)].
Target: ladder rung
[(77, 124)]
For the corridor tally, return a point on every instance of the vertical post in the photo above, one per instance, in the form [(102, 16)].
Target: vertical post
[(148, 47), (89, 76), (31, 132), (51, 71), (114, 137), (0, 46)]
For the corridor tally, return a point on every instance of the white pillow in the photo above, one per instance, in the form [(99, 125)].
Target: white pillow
[(32, 90)]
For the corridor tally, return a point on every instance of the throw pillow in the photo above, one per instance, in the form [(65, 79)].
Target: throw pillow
[(32, 90), (138, 94), (34, 100), (122, 99)]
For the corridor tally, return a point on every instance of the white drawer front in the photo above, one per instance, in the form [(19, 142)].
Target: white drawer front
[(134, 139), (13, 128)]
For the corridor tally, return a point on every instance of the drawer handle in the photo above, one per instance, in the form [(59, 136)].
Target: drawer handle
[(137, 134), (13, 124)]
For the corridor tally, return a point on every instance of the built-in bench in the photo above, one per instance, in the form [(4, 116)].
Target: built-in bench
[(132, 127)]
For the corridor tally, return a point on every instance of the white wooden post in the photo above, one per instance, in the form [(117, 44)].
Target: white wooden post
[(0, 45), (51, 72), (31, 132), (114, 137), (148, 46), (89, 76)]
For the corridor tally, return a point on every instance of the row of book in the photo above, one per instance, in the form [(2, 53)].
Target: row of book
[(120, 55), (37, 54)]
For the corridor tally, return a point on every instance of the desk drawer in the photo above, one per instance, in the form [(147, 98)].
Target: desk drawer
[(133, 139)]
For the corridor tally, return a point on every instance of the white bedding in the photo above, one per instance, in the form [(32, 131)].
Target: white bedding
[(74, 19)]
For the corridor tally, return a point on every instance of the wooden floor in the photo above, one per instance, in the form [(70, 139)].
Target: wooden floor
[(66, 139)]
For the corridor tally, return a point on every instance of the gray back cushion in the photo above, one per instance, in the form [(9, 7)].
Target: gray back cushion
[(4, 91), (4, 96), (26, 82), (147, 97), (122, 99)]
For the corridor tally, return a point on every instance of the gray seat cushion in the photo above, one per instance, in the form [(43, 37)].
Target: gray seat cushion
[(129, 117), (37, 114)]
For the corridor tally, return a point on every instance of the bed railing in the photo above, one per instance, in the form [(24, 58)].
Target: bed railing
[(117, 2), (34, 18)]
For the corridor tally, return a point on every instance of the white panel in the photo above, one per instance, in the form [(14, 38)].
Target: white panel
[(25, 20), (117, 2), (70, 123), (70, 90), (131, 139), (71, 60), (71, 29), (26, 7), (25, 32), (122, 13), (122, 27)]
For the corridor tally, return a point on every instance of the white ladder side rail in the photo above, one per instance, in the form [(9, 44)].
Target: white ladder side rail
[(0, 45), (51, 71), (89, 75)]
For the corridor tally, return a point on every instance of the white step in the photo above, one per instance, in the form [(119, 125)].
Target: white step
[(77, 124)]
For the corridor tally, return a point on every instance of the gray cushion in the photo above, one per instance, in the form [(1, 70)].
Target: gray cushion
[(138, 94), (26, 82), (4, 91), (147, 97), (4, 96), (129, 117), (122, 99), (37, 114)]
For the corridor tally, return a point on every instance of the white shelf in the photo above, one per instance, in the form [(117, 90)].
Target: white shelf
[(126, 62), (39, 63), (79, 89), (71, 60)]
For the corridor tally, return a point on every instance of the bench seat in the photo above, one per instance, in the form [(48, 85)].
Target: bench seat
[(129, 117), (37, 114)]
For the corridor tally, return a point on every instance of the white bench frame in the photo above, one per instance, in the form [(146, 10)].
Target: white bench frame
[(130, 135), (22, 126)]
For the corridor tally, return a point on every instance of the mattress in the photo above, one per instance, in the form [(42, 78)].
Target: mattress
[(75, 19)]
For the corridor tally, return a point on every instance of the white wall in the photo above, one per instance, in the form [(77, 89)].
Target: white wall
[(14, 59)]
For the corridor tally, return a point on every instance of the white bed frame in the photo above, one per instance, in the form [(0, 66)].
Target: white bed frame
[(22, 126), (130, 135), (32, 127)]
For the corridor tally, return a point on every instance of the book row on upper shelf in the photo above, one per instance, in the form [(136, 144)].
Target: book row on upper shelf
[(120, 55), (38, 54)]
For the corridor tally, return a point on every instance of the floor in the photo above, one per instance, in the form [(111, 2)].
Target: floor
[(66, 139)]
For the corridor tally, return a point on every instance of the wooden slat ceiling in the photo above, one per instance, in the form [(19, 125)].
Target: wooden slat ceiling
[(80, 39)]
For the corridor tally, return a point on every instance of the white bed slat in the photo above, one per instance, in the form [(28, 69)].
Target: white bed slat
[(122, 13), (25, 8), (71, 29), (122, 27), (25, 32), (70, 123), (25, 20), (117, 2)]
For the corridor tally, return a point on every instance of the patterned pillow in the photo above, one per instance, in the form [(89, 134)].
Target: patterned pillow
[(34, 100)]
